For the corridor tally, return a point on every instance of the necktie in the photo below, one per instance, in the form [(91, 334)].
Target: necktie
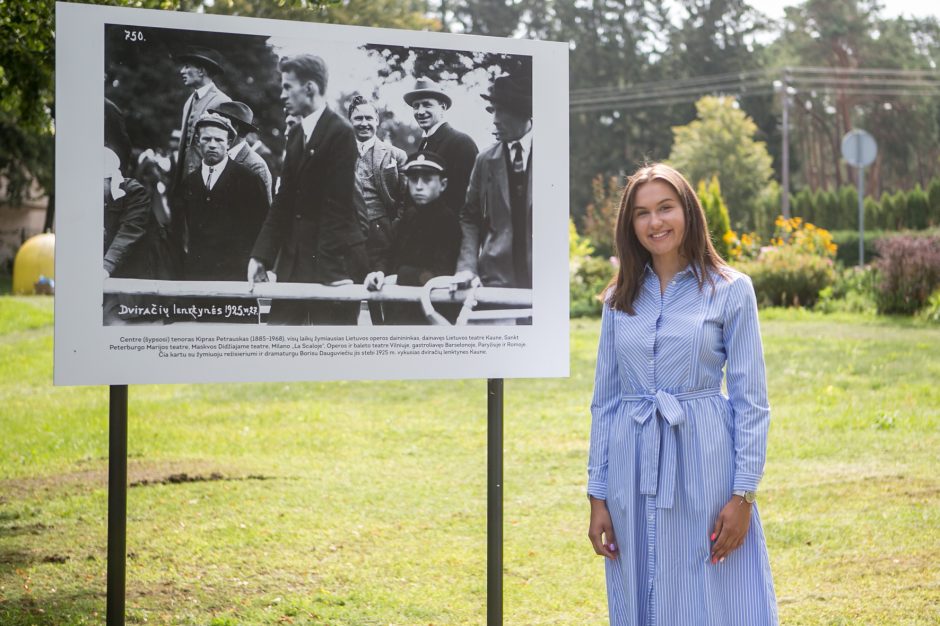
[(209, 179), (517, 164)]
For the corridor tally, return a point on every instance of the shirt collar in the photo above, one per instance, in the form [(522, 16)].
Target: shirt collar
[(526, 142), (433, 129), (651, 272), (365, 146), (202, 91), (216, 170), (310, 122), (234, 150)]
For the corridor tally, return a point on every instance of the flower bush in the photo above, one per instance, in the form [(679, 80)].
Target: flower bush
[(908, 272), (852, 292)]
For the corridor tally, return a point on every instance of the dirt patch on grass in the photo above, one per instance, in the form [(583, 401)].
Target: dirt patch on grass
[(139, 473)]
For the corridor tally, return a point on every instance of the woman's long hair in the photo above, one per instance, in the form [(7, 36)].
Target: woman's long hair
[(696, 245)]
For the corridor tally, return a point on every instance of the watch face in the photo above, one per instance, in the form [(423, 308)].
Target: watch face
[(750, 497)]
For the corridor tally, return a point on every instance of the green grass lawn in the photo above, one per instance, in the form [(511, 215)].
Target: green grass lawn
[(359, 503)]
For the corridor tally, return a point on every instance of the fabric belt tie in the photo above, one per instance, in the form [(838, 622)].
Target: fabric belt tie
[(667, 406)]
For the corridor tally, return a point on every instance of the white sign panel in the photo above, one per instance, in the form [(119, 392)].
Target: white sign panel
[(243, 199)]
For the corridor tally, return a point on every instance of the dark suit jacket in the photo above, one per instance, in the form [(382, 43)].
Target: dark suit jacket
[(486, 222), (128, 233), (313, 222), (222, 223), (459, 153)]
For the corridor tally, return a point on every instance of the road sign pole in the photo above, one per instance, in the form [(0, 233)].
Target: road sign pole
[(861, 216), (494, 506)]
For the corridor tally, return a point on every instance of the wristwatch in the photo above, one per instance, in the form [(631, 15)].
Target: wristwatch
[(749, 496)]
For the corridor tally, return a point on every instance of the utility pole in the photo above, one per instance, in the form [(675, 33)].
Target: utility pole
[(785, 153)]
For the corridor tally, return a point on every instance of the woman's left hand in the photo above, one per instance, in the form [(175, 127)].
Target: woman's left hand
[(730, 528)]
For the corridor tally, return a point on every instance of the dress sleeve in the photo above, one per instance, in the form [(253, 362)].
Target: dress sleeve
[(603, 405), (747, 384)]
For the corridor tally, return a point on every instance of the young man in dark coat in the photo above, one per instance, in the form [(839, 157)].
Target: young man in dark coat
[(313, 224), (457, 149), (223, 205), (427, 239)]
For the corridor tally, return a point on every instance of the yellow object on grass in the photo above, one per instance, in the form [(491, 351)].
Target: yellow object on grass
[(34, 266)]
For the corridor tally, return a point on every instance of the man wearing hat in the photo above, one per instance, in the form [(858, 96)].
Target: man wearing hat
[(197, 66), (312, 229), (241, 117), (457, 149), (220, 206), (497, 243), (427, 240)]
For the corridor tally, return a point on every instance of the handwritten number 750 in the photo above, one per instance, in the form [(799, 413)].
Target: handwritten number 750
[(133, 35)]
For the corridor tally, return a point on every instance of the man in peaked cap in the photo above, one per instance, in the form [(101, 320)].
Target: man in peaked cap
[(197, 68), (242, 117), (457, 149), (427, 239), (497, 243), (221, 205)]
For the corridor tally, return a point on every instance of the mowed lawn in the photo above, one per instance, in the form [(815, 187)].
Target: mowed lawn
[(357, 503)]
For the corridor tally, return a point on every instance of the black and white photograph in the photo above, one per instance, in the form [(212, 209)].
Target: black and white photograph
[(264, 177), (236, 160)]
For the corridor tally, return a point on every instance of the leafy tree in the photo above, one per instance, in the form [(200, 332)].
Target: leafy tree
[(720, 142), (600, 219)]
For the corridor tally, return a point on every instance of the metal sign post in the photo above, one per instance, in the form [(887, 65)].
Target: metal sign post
[(859, 150), (117, 505), (494, 502)]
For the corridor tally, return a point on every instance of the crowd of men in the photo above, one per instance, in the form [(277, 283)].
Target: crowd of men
[(345, 206)]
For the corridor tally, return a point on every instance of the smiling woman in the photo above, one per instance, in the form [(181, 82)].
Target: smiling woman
[(674, 464)]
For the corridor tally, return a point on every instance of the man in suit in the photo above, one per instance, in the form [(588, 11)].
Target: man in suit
[(223, 204), (455, 148), (198, 67), (496, 245), (313, 224), (379, 186), (241, 116)]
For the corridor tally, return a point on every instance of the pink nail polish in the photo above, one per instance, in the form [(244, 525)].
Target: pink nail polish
[(714, 561), (714, 535)]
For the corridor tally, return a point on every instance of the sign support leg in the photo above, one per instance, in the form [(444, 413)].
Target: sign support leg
[(117, 504), (494, 503)]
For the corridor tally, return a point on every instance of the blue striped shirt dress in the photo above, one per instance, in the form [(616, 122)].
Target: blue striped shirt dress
[(668, 448)]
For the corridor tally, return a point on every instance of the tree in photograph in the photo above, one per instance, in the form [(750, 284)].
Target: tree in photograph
[(720, 142)]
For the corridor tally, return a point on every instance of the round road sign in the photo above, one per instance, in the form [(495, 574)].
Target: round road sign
[(859, 148)]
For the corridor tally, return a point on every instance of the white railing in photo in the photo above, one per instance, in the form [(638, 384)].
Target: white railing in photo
[(501, 303)]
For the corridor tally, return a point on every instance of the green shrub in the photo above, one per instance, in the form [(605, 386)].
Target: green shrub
[(847, 240), (786, 276), (716, 215), (933, 202), (899, 202), (931, 312), (587, 281), (908, 272), (852, 292), (917, 208), (848, 208)]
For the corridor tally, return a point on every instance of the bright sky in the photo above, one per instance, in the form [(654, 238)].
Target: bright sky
[(892, 8)]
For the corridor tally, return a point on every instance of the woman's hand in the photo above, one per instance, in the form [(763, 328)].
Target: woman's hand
[(601, 530), (730, 528)]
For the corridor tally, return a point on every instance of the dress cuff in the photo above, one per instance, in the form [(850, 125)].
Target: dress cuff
[(598, 489), (745, 481)]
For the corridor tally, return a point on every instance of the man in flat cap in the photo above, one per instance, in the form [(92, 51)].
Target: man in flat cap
[(313, 228), (457, 149), (220, 206), (427, 240), (497, 243), (198, 67), (242, 117)]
